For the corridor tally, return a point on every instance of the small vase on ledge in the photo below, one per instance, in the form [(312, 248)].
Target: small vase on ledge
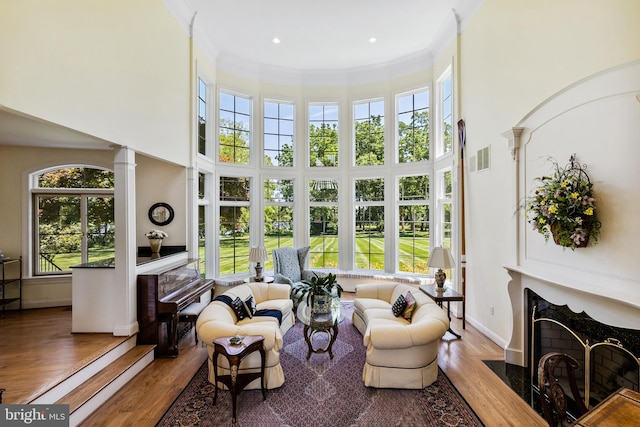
[(155, 244)]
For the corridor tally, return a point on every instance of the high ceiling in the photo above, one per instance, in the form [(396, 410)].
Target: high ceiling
[(320, 35), (326, 35)]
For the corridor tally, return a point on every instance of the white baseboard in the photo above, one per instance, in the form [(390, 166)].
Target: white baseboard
[(48, 303), (501, 342)]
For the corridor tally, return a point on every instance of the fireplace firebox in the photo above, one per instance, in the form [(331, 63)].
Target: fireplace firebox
[(608, 355)]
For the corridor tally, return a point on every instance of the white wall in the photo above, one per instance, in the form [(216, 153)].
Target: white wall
[(118, 70), (514, 55), (156, 182)]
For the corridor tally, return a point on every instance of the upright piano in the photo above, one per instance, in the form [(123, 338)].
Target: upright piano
[(161, 297)]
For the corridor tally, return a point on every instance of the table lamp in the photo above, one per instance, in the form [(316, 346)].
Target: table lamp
[(258, 254), (441, 259)]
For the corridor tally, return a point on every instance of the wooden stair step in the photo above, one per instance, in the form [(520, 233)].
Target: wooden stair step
[(83, 393)]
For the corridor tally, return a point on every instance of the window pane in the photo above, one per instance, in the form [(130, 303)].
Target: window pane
[(201, 185), (446, 225), (202, 254), (236, 189), (278, 215), (227, 102), (62, 239), (413, 239), (413, 127), (361, 111), (323, 135), (278, 190), (414, 187), (271, 142), (234, 239), (271, 126), (76, 178), (369, 238), (369, 134), (323, 190), (323, 237), (202, 116), (271, 109), (370, 190), (447, 115), (278, 134), (59, 234), (377, 108), (100, 228), (286, 111), (243, 105), (235, 125), (278, 229), (448, 185)]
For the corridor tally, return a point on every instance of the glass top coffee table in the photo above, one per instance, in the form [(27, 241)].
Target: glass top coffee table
[(320, 322)]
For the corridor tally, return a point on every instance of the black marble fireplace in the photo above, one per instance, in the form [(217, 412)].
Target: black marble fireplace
[(608, 355)]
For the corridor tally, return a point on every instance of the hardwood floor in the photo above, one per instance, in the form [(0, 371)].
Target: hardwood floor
[(38, 351), (43, 343)]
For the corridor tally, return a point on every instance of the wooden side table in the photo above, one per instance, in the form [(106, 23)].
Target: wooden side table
[(447, 296), (620, 409), (235, 353)]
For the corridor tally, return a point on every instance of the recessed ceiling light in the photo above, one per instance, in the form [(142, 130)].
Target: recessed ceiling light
[(372, 39), (275, 40)]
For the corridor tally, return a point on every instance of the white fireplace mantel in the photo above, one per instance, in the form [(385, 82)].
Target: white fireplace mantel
[(598, 119), (560, 289)]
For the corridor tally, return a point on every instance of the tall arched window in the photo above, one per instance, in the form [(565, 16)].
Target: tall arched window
[(73, 218)]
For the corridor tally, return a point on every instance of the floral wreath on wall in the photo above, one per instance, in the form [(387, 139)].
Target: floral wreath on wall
[(563, 206)]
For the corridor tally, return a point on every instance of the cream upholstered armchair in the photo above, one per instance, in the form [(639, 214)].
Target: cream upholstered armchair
[(289, 265)]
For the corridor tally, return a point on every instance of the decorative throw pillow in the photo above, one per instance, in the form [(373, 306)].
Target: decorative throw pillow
[(398, 307), (411, 305), (238, 308), (249, 307)]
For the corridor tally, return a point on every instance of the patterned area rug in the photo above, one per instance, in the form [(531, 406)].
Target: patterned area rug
[(322, 392)]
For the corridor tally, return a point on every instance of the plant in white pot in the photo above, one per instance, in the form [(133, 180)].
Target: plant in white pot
[(319, 288)]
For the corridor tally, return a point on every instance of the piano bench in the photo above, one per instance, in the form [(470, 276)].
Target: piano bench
[(190, 314)]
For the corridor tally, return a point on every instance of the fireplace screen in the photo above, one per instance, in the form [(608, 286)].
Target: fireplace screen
[(608, 356)]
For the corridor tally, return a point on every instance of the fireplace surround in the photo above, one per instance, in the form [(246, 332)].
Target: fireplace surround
[(608, 355), (587, 301)]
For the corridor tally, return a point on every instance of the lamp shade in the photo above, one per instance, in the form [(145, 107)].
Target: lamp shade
[(441, 258), (258, 254)]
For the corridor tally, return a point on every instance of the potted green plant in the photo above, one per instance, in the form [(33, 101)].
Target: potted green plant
[(319, 288), (563, 207)]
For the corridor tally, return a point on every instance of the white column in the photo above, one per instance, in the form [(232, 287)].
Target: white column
[(125, 219), (192, 212), (513, 136)]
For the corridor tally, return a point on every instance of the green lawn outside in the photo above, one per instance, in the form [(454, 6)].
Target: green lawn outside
[(329, 259), (413, 256)]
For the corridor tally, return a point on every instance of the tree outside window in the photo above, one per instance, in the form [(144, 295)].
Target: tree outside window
[(413, 228), (278, 134), (234, 225), (413, 127), (369, 133), (369, 233), (323, 135), (75, 224), (235, 129), (323, 223), (278, 215)]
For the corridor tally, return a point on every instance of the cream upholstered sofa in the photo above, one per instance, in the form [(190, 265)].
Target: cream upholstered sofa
[(219, 319), (401, 353)]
